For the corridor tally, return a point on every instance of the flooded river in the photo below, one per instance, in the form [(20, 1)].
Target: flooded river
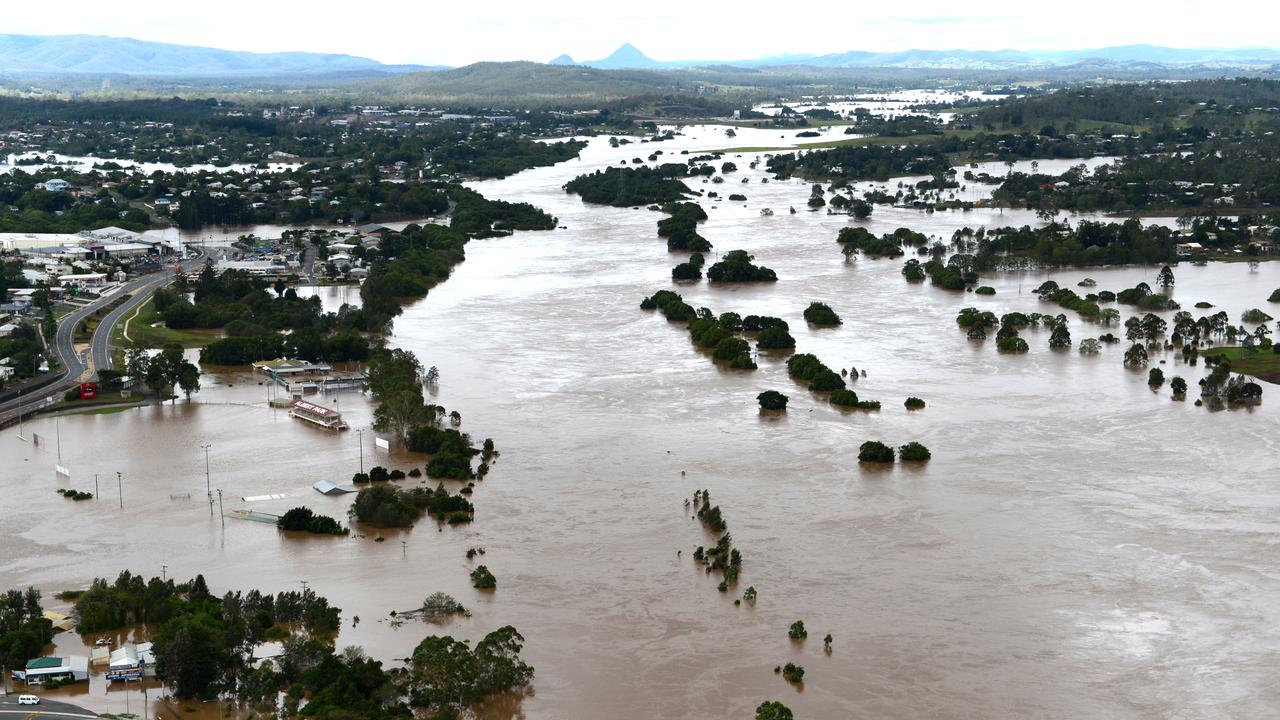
[(1079, 546)]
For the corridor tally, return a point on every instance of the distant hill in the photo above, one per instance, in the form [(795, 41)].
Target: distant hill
[(628, 57), (562, 60), (530, 82), (94, 54)]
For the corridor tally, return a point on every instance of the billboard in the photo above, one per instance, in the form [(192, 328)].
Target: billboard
[(88, 391)]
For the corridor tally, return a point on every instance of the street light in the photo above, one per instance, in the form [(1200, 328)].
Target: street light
[(360, 432), (208, 492)]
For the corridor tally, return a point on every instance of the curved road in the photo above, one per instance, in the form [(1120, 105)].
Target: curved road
[(74, 364), (9, 708)]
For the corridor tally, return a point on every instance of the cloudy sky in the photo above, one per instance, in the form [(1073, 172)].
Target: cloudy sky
[(456, 33)]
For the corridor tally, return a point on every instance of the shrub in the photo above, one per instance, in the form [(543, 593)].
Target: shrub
[(396, 475), (1178, 386), (686, 271), (775, 338), (1155, 378), (773, 710), (439, 606), (1206, 305), (826, 381), (874, 451), (378, 474), (914, 403), (1274, 297), (1012, 345), (844, 398), (302, 518), (797, 631), (821, 314), (359, 478), (772, 400), (483, 579), (415, 473), (1255, 316), (76, 495), (793, 673), (736, 266), (914, 452), (985, 290)]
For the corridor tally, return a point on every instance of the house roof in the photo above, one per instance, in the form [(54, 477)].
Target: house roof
[(44, 663)]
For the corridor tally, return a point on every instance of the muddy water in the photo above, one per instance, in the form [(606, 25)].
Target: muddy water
[(1078, 547)]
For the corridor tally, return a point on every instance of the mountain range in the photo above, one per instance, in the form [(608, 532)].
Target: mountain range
[(92, 55), (628, 57), (95, 54)]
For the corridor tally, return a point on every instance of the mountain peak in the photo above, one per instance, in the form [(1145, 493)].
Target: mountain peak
[(563, 60), (626, 56)]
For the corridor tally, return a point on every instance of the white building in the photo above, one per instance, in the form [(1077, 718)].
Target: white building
[(56, 185)]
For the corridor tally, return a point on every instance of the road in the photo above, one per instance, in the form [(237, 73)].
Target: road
[(72, 364), (9, 708)]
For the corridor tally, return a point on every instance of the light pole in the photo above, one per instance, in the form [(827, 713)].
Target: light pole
[(207, 491), (224, 517), (164, 572), (120, 487), (95, 487), (360, 432)]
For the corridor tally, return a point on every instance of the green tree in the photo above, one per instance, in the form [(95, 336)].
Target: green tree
[(190, 657), (773, 710), (772, 400)]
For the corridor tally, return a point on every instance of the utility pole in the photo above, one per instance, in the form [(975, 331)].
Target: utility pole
[(57, 425), (120, 487), (224, 517), (164, 572), (95, 487), (360, 432), (207, 490), (20, 426)]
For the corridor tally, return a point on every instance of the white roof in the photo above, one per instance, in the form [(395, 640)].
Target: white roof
[(21, 241), (115, 233)]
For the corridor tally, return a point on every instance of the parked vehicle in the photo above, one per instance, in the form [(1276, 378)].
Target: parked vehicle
[(28, 700)]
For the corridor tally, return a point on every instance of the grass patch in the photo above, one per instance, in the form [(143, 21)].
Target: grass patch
[(1262, 364), (143, 330), (106, 410)]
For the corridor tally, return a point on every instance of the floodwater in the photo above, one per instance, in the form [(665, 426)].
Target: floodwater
[(1079, 546), (85, 163), (888, 104)]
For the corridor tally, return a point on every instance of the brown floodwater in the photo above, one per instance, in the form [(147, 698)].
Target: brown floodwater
[(1079, 546)]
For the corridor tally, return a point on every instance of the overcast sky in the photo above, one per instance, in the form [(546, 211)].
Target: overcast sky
[(456, 33)]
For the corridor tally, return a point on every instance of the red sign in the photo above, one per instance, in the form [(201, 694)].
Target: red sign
[(88, 391)]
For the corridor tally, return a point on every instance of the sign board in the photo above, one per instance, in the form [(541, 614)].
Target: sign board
[(383, 443), (88, 391), (130, 674), (61, 470)]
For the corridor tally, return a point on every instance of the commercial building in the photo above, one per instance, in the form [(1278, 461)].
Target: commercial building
[(74, 668), (318, 414)]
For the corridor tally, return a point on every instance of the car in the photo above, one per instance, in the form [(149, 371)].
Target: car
[(28, 700)]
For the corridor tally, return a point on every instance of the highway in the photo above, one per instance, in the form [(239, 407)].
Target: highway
[(72, 364)]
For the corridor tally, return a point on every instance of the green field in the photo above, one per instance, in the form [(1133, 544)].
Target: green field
[(1263, 364), (142, 327)]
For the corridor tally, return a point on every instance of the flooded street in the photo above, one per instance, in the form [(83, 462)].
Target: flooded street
[(1079, 547)]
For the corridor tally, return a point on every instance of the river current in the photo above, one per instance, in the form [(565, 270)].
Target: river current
[(1079, 545)]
